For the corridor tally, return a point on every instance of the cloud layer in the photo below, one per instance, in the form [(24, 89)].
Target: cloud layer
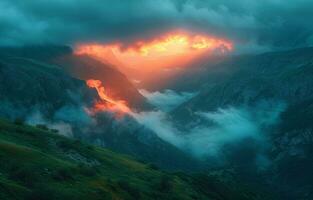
[(168, 99), (227, 131), (251, 24)]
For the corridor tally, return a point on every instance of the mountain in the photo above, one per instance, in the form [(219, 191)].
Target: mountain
[(127, 136), (28, 85), (39, 92), (38, 164), (247, 79), (116, 83), (276, 79), (83, 68), (268, 97)]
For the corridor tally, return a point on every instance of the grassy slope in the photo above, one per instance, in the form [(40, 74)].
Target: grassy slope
[(37, 164)]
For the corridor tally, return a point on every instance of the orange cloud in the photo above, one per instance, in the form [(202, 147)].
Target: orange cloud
[(169, 50), (106, 102)]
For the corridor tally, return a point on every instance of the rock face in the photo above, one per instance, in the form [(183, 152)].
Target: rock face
[(276, 77)]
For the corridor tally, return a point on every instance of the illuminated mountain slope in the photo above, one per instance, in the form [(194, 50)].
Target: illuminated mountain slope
[(37, 164)]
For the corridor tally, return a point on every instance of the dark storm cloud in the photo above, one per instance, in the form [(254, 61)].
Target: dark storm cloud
[(252, 24)]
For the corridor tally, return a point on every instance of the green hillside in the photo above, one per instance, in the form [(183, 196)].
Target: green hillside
[(39, 164)]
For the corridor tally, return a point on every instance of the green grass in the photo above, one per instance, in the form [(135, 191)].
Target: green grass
[(38, 164)]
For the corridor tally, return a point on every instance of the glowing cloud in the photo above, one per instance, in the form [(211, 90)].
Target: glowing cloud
[(106, 103), (168, 50)]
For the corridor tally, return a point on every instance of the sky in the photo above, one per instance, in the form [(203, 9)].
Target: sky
[(252, 25)]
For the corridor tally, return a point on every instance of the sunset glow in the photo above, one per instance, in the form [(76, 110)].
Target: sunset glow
[(106, 103), (168, 50)]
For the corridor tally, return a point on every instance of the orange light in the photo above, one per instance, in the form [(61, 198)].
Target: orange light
[(169, 50), (107, 103)]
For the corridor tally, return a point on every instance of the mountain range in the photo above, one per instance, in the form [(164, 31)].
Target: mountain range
[(269, 147)]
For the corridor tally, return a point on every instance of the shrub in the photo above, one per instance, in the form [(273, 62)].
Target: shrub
[(65, 144), (90, 147), (54, 130), (19, 121), (25, 174), (42, 126), (165, 184), (87, 170), (42, 193), (153, 166), (63, 174), (134, 192)]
